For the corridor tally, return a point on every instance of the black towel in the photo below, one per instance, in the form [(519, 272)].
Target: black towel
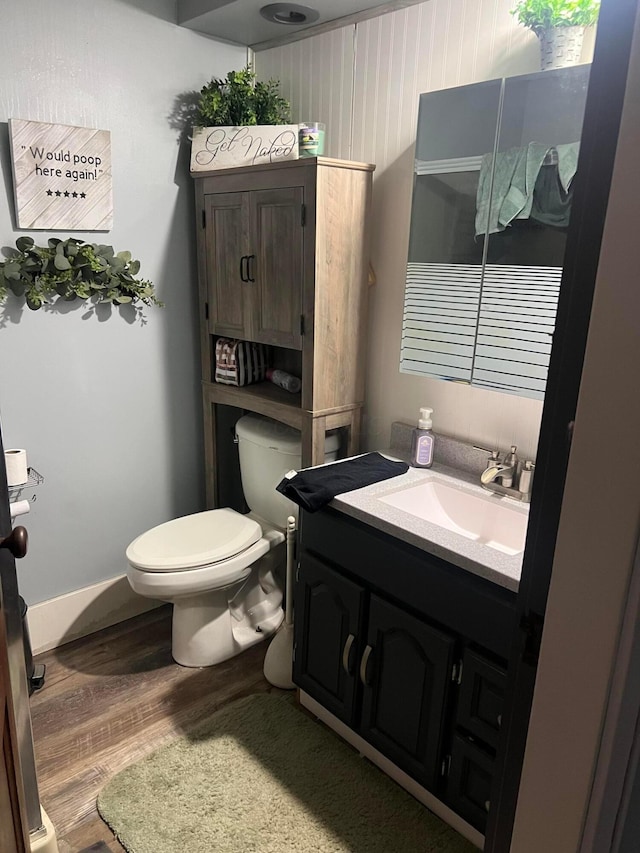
[(315, 487)]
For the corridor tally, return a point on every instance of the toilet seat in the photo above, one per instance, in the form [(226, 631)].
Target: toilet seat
[(167, 575), (194, 541)]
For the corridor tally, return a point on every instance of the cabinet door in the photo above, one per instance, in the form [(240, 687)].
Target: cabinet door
[(227, 244), (469, 781), (481, 697), (405, 669), (276, 266), (328, 620)]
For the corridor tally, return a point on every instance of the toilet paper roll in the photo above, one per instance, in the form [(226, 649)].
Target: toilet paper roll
[(19, 508), (17, 471)]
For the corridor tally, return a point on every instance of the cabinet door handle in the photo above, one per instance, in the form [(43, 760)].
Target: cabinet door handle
[(346, 654), (243, 261), (250, 258), (363, 666)]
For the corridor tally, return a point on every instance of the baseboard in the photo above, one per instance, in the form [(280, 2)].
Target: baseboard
[(84, 611)]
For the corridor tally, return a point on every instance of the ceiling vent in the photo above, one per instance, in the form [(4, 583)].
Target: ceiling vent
[(289, 13)]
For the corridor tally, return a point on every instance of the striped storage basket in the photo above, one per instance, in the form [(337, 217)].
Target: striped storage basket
[(240, 362)]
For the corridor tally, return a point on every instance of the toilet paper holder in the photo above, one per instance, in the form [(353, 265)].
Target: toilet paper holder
[(35, 479)]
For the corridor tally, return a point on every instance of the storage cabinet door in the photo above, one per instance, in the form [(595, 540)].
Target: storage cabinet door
[(276, 266), (328, 621), (227, 247), (469, 781), (481, 697), (405, 669)]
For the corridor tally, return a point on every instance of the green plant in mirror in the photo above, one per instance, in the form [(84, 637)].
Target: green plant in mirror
[(72, 269), (241, 100), (540, 15)]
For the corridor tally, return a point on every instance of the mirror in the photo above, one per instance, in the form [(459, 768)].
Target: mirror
[(494, 168)]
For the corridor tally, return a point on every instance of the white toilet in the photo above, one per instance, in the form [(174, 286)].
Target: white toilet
[(221, 570)]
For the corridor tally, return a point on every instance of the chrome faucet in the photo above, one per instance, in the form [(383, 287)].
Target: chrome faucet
[(508, 477)]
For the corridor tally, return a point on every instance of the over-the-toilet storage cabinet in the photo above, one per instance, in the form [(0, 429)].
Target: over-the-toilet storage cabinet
[(283, 261)]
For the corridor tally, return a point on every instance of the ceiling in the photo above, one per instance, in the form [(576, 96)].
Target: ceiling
[(240, 20)]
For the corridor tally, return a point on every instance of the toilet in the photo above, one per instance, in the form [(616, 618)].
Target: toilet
[(224, 571)]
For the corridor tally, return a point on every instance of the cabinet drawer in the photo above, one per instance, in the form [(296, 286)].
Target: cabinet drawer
[(481, 697), (469, 781)]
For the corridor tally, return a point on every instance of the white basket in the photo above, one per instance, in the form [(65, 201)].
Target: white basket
[(560, 46)]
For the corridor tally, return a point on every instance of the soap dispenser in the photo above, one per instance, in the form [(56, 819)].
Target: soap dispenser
[(422, 441)]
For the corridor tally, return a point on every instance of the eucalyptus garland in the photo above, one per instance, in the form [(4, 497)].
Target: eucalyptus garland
[(72, 269)]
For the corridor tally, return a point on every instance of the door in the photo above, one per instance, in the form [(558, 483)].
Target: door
[(405, 671), (329, 610), (275, 266), (13, 820), (227, 259), (608, 83)]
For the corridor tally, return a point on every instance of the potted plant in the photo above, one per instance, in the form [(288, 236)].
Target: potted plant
[(242, 121), (560, 26), (72, 269)]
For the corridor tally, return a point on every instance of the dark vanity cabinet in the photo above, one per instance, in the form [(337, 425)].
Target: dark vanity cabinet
[(408, 651)]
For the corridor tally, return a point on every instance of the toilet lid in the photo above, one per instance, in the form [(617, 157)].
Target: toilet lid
[(193, 541)]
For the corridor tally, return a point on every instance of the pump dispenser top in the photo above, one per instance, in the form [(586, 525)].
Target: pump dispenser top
[(425, 422)]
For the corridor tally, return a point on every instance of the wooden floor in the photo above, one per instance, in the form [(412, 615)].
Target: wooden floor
[(111, 698)]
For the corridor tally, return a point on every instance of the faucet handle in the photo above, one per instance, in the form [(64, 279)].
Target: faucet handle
[(494, 455), (526, 477)]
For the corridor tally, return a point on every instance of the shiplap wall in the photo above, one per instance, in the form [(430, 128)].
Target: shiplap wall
[(363, 81)]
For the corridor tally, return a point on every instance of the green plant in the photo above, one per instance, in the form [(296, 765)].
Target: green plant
[(72, 269), (240, 100), (540, 15)]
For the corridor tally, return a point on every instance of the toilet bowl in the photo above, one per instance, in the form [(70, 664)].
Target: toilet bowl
[(222, 570)]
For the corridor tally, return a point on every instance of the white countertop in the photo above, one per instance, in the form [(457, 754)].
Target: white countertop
[(364, 505)]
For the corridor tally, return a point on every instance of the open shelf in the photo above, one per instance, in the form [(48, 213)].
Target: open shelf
[(35, 479), (265, 398)]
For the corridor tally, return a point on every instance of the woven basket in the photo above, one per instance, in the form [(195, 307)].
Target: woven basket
[(560, 46)]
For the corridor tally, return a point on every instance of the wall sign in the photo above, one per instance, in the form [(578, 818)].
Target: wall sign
[(225, 147), (61, 176)]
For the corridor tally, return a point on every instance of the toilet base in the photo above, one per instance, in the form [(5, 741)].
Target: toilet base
[(213, 627)]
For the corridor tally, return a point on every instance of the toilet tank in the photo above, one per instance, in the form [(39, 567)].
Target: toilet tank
[(268, 449)]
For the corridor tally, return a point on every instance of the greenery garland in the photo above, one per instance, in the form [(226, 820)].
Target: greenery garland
[(72, 269)]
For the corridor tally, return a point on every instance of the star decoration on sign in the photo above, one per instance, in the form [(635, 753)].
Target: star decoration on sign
[(65, 194)]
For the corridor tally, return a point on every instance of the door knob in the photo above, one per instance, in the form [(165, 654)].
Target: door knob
[(16, 542)]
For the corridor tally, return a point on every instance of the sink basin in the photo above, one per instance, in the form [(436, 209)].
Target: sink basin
[(487, 519)]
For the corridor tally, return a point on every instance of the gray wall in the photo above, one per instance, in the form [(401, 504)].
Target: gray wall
[(108, 407)]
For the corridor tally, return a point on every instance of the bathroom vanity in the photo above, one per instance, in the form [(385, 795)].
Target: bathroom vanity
[(401, 644)]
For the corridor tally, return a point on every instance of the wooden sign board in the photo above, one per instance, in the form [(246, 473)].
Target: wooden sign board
[(226, 147), (61, 176)]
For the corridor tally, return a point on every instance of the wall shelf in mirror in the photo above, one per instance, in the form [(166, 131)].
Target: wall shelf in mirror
[(482, 286)]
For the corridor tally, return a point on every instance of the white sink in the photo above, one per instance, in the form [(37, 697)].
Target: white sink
[(487, 519)]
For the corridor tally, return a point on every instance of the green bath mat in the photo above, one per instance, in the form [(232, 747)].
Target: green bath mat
[(261, 777)]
